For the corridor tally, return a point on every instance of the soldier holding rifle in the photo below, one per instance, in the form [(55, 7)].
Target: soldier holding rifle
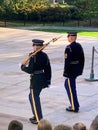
[(39, 69)]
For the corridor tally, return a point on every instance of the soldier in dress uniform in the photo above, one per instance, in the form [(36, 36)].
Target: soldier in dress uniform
[(73, 67), (39, 69)]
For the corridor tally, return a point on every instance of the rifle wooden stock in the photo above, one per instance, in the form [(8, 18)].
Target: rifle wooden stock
[(24, 62)]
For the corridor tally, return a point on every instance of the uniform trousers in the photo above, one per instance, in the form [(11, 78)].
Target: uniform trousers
[(70, 86), (34, 98)]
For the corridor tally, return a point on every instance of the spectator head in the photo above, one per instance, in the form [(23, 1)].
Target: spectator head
[(44, 125), (94, 124), (62, 127), (79, 126), (15, 125)]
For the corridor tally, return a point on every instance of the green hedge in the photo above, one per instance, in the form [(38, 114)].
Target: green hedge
[(48, 14)]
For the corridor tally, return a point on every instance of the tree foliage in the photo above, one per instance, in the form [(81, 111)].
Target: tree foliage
[(40, 10), (87, 8)]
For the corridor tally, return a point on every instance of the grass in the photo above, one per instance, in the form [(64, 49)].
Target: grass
[(90, 33)]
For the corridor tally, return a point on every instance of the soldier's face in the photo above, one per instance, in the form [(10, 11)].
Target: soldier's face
[(71, 38), (35, 48)]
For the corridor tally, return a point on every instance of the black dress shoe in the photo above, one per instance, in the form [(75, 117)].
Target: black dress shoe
[(32, 118), (34, 121), (71, 110)]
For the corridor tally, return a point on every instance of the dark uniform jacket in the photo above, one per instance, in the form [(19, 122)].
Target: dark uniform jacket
[(40, 70), (74, 60)]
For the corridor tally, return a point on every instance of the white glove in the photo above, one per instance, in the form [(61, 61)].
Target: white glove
[(19, 64)]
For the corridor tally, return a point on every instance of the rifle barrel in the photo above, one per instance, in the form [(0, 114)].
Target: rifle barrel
[(24, 62)]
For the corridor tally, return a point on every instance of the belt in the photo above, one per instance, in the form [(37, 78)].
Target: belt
[(37, 72), (74, 62)]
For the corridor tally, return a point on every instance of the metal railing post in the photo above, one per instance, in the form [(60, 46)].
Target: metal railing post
[(91, 78)]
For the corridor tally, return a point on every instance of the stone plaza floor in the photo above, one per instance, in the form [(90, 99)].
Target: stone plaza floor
[(15, 45)]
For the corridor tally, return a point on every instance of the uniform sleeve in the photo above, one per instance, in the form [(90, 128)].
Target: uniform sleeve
[(67, 58), (47, 71), (28, 69)]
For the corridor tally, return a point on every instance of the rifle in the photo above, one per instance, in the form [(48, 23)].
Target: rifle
[(24, 62)]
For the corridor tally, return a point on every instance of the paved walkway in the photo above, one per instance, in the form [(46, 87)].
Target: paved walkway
[(15, 44)]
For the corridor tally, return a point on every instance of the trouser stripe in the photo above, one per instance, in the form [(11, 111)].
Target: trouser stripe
[(71, 95), (34, 105)]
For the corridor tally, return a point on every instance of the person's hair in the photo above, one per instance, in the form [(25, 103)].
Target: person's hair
[(94, 124), (44, 125), (62, 127), (79, 126), (15, 125)]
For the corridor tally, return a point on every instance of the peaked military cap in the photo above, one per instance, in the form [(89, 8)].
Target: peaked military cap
[(37, 42), (72, 34)]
